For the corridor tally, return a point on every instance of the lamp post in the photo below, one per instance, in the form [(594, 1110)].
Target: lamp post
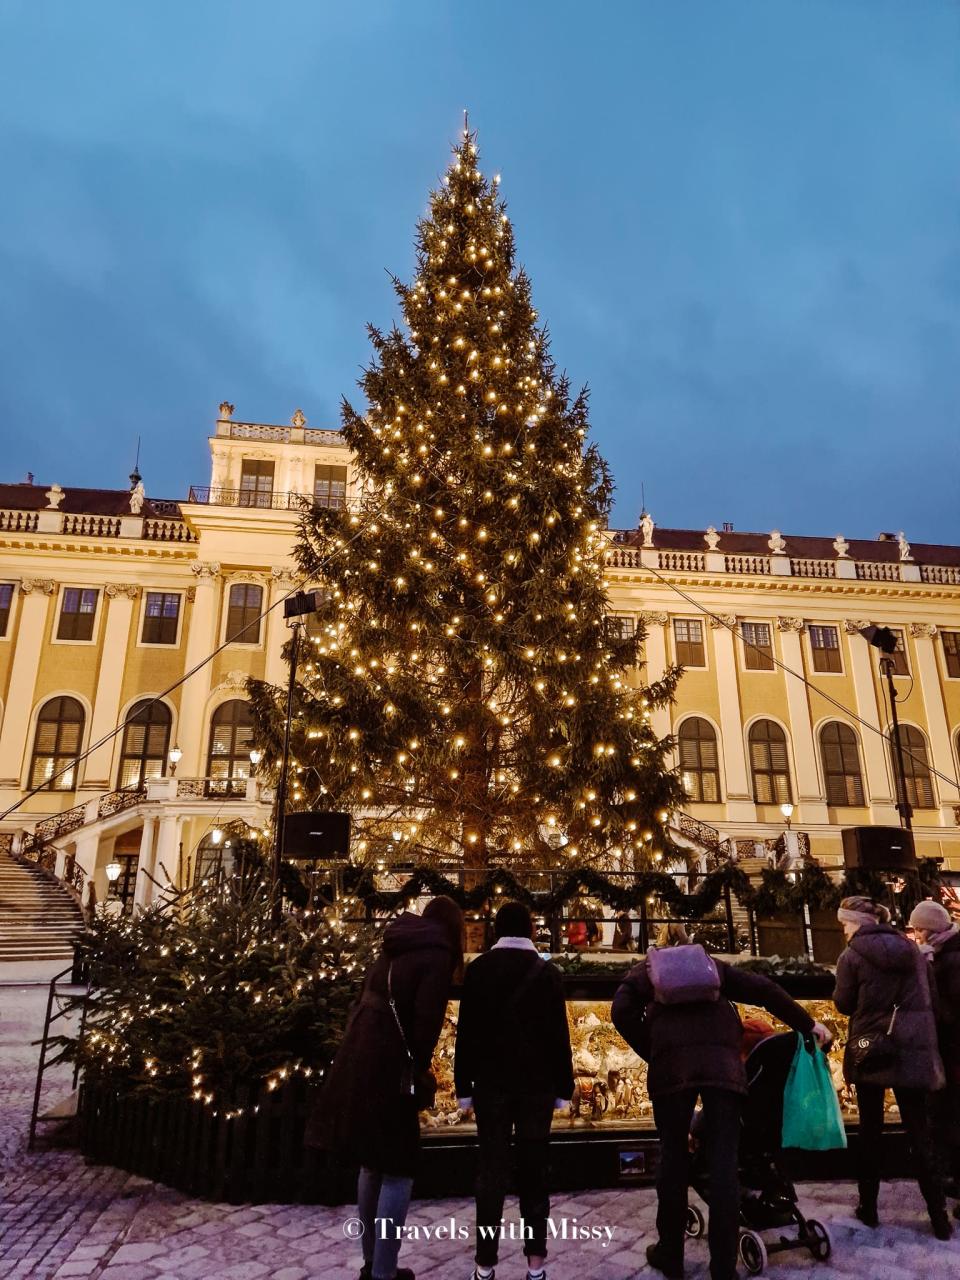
[(882, 638), (294, 609), (787, 810), (174, 755)]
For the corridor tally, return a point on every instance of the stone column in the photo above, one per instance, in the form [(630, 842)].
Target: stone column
[(201, 641), (739, 791), (106, 708), (167, 858), (924, 637), (876, 761), (655, 655), (145, 889), (809, 791), (28, 647), (276, 669)]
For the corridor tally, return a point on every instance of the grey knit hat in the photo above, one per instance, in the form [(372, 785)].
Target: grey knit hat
[(931, 916)]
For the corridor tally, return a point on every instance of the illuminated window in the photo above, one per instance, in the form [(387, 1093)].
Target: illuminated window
[(699, 761), (146, 738), (769, 764), (56, 745), (840, 752)]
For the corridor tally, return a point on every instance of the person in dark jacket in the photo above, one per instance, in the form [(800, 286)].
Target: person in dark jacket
[(884, 986), (939, 939), (366, 1114), (694, 1050), (513, 1066)]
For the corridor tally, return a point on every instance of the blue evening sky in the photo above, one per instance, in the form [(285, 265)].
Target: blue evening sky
[(742, 221)]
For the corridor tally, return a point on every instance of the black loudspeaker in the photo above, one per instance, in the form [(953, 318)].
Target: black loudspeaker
[(310, 837), (879, 849)]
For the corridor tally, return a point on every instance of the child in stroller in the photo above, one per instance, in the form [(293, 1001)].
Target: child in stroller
[(768, 1199)]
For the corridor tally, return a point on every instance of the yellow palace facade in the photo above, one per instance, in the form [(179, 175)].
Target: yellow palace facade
[(109, 597)]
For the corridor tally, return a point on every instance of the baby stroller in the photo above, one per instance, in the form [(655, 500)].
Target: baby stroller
[(768, 1199)]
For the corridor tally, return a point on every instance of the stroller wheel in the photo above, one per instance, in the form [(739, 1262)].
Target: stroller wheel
[(821, 1246), (753, 1252), (695, 1223)]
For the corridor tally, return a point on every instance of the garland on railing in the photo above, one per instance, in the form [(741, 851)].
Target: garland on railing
[(776, 894)]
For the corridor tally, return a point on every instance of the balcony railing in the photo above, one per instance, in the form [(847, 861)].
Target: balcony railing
[(214, 496), (212, 788)]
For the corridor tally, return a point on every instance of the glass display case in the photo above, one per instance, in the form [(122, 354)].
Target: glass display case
[(611, 1092)]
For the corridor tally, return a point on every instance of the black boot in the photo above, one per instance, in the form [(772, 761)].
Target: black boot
[(866, 1209), (657, 1260)]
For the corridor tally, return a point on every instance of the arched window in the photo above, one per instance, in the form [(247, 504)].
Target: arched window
[(916, 768), (699, 761), (146, 738), (56, 744), (840, 753), (769, 764), (231, 736)]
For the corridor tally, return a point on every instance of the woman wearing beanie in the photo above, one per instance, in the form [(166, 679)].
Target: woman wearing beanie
[(939, 939), (367, 1112), (885, 987)]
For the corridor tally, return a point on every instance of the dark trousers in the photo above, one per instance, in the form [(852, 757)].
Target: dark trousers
[(914, 1107), (720, 1134), (517, 1124)]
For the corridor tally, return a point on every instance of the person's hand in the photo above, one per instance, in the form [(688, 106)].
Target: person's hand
[(823, 1035)]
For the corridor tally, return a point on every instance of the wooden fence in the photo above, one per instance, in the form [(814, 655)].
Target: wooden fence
[(255, 1157)]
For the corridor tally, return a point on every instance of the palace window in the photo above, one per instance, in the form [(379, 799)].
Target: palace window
[(243, 613), (769, 763), (256, 483), (329, 486), (951, 652), (757, 646), (699, 760), (78, 612), (228, 760), (6, 603), (161, 617), (618, 626), (56, 745), (916, 768), (688, 638), (146, 739), (840, 752), (825, 646)]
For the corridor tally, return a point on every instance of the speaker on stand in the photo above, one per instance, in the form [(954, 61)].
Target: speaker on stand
[(887, 852)]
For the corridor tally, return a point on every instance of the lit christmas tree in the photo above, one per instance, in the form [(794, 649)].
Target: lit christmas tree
[(464, 695)]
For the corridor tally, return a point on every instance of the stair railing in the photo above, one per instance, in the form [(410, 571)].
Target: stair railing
[(51, 1017)]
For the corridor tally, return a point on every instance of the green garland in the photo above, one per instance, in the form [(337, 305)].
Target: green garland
[(777, 893)]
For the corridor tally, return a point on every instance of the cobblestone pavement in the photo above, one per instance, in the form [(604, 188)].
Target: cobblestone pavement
[(60, 1218)]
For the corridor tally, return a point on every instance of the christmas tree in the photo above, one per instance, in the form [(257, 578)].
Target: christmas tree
[(464, 695)]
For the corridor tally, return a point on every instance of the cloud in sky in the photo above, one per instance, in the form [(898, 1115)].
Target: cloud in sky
[(741, 222)]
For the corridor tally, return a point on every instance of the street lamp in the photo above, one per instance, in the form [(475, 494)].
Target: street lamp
[(113, 870), (174, 755), (255, 757), (216, 835), (882, 638), (787, 810)]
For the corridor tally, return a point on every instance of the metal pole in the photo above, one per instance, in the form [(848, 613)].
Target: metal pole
[(282, 780), (903, 804)]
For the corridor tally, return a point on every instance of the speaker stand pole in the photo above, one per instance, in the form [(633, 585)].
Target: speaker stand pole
[(903, 804), (281, 811)]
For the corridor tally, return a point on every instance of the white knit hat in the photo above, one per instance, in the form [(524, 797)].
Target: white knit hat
[(931, 916)]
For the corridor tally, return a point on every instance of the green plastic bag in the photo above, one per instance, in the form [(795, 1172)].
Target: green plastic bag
[(811, 1111)]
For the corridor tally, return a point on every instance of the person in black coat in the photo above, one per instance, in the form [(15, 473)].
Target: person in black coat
[(694, 1050), (513, 1066), (367, 1112), (939, 939), (884, 985)]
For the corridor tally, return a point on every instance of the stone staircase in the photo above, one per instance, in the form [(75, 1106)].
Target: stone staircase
[(38, 919)]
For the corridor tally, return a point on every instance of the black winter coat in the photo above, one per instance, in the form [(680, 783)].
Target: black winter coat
[(361, 1114), (946, 973), (512, 1033), (879, 969), (697, 1045)]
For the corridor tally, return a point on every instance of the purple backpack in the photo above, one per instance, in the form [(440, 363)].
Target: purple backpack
[(682, 975)]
